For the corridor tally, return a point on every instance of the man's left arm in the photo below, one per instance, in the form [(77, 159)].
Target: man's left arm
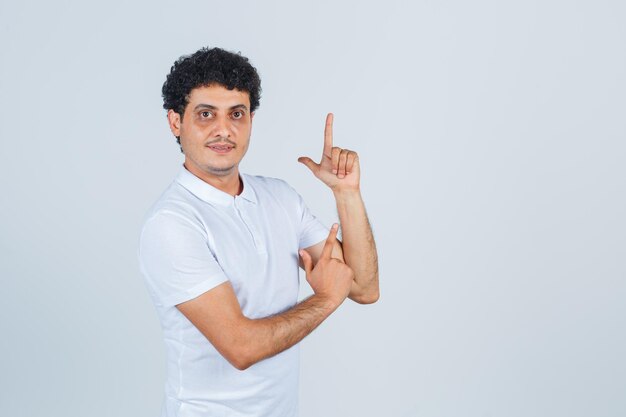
[(339, 169)]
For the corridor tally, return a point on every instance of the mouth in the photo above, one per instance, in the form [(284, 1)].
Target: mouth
[(221, 147)]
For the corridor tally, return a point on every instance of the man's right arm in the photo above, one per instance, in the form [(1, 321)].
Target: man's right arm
[(243, 341)]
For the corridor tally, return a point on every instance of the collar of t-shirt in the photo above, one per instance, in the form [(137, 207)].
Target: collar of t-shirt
[(206, 192)]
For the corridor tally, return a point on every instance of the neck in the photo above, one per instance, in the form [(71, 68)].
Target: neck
[(229, 182)]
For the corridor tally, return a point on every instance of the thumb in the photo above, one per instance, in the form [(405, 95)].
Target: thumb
[(309, 163), (306, 261)]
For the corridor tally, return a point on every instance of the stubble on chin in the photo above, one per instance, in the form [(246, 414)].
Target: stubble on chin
[(215, 171), (219, 171)]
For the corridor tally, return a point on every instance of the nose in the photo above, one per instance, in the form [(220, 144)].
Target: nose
[(221, 127)]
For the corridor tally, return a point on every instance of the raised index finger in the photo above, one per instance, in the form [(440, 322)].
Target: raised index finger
[(328, 135), (330, 242)]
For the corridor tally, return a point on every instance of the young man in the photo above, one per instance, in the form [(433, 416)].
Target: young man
[(220, 250)]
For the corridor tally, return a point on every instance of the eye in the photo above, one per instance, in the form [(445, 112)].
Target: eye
[(237, 114), (205, 114)]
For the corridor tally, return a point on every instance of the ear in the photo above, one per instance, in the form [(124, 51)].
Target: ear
[(174, 121), (252, 116)]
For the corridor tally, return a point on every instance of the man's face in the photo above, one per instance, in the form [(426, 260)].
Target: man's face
[(215, 130)]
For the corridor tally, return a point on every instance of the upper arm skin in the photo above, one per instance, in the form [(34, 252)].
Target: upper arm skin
[(316, 250), (218, 316)]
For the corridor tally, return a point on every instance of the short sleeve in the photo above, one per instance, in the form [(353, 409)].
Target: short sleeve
[(175, 259), (310, 230)]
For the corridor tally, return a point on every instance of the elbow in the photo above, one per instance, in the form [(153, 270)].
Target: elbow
[(240, 363), (367, 298), (368, 292), (239, 359), (371, 298), (241, 355), (235, 341)]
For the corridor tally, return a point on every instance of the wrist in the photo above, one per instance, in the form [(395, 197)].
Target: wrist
[(347, 193), (328, 303)]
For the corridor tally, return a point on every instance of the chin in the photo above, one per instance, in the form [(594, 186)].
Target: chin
[(221, 171)]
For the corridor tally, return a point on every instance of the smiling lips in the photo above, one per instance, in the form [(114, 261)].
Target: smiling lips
[(221, 147)]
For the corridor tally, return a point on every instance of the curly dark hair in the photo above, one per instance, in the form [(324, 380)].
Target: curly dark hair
[(206, 67)]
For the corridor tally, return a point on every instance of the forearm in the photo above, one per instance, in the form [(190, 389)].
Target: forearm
[(359, 248), (266, 337)]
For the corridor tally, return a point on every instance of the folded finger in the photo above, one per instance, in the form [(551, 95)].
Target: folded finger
[(335, 153), (341, 169), (350, 161)]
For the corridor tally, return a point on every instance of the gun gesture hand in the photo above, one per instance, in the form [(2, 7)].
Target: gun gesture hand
[(338, 167), (329, 278)]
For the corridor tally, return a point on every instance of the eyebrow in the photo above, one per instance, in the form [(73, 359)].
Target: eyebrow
[(211, 107)]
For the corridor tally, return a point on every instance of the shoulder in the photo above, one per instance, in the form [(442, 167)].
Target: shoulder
[(262, 183), (175, 206), (270, 185), (276, 192)]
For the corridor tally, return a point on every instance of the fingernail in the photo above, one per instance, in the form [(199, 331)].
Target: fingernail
[(334, 171)]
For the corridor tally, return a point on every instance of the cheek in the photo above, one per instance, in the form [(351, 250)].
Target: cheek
[(243, 131), (194, 133)]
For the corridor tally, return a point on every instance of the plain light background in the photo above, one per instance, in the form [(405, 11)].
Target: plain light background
[(492, 143)]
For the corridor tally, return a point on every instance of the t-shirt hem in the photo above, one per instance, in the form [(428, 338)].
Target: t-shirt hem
[(195, 291), (314, 238)]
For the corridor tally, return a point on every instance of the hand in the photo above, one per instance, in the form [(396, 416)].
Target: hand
[(330, 278), (338, 168)]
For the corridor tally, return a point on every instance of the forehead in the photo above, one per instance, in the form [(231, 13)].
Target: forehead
[(218, 96)]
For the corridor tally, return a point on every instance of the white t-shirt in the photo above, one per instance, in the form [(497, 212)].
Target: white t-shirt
[(194, 238)]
